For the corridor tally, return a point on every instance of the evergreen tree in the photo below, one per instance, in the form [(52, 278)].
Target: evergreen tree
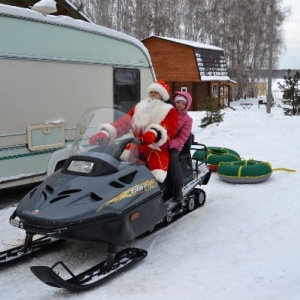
[(291, 96), (213, 113)]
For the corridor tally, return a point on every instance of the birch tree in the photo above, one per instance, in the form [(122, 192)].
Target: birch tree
[(240, 27)]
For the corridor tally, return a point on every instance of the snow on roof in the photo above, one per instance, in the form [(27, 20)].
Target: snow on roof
[(215, 78), (190, 43), (27, 13)]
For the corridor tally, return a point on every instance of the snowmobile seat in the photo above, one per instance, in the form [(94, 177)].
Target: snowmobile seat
[(185, 152)]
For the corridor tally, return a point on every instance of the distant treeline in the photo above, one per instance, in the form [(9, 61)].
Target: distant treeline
[(277, 74)]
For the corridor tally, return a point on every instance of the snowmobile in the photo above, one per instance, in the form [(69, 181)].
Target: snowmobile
[(98, 197)]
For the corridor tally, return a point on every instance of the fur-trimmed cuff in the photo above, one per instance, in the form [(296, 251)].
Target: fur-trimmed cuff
[(112, 132), (160, 175), (163, 132), (125, 156)]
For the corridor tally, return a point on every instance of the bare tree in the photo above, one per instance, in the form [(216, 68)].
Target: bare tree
[(240, 27)]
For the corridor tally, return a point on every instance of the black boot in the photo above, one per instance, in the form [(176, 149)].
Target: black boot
[(178, 195), (168, 194)]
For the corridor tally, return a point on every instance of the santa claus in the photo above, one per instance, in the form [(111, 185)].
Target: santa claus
[(154, 122)]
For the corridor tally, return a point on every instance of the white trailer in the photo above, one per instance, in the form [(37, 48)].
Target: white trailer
[(52, 68)]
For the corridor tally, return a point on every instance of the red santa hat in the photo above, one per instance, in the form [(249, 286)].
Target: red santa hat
[(161, 87)]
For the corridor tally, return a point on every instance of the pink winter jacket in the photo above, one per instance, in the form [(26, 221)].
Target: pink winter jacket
[(184, 126)]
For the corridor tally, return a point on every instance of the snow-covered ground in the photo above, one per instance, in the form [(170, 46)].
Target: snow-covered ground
[(242, 244)]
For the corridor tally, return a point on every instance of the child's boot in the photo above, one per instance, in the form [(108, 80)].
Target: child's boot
[(168, 193), (178, 195)]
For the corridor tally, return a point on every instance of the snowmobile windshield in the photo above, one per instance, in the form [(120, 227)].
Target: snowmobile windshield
[(91, 122)]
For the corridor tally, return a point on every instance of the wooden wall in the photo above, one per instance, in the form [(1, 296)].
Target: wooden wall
[(198, 90), (172, 61)]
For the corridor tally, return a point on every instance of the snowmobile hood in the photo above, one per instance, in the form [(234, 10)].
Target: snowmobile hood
[(67, 198)]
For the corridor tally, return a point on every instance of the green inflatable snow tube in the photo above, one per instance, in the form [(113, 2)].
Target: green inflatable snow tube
[(216, 155), (244, 171)]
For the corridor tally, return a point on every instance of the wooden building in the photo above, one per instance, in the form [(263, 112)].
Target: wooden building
[(194, 67)]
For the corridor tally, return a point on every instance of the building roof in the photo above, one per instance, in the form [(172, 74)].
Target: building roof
[(210, 59), (189, 43)]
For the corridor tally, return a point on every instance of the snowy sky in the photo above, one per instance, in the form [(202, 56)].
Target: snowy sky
[(291, 58), (243, 244)]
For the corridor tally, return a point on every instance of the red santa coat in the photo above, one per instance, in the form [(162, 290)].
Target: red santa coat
[(147, 115)]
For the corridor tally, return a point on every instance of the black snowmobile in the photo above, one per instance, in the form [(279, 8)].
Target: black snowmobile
[(98, 197)]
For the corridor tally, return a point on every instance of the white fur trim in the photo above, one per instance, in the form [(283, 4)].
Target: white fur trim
[(111, 130), (155, 147), (156, 87), (149, 111), (125, 155), (162, 130), (159, 175)]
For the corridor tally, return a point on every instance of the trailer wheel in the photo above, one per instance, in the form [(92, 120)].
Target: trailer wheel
[(201, 197)]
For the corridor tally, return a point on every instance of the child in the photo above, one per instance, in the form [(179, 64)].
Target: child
[(174, 181)]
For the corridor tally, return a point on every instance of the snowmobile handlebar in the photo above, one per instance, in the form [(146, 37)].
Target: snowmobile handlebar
[(115, 149), (101, 142)]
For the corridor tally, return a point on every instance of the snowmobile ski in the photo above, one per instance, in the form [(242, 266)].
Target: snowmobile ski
[(91, 277), (19, 252)]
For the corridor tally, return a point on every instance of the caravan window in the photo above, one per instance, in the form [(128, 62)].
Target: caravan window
[(126, 88)]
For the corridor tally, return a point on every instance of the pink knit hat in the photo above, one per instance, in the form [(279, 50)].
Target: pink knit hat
[(180, 97)]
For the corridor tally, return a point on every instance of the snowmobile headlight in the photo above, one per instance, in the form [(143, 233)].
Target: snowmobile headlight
[(80, 166)]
